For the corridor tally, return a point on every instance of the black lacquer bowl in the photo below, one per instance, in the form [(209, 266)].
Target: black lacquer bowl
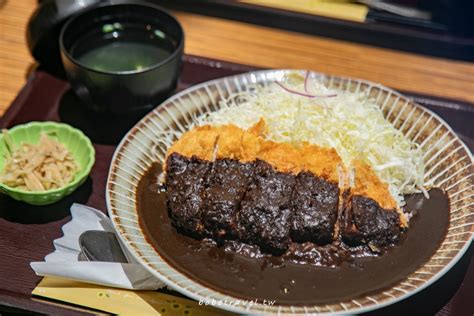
[(122, 91)]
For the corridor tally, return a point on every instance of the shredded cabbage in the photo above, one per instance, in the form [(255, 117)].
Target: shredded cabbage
[(352, 123)]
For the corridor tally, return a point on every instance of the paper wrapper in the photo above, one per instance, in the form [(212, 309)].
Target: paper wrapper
[(121, 302), (64, 263)]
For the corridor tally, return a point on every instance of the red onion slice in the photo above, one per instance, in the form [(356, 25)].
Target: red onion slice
[(304, 94), (294, 91)]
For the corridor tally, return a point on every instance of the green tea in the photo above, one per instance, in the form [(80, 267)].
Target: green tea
[(123, 56)]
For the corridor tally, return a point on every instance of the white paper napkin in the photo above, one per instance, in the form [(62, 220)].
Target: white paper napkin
[(64, 263)]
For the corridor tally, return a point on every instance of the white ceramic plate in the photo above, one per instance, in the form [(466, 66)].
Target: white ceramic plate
[(448, 162)]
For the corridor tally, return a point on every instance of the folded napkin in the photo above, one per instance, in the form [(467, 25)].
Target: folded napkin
[(64, 263)]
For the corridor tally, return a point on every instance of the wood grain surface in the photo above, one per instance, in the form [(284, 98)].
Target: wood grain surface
[(263, 47)]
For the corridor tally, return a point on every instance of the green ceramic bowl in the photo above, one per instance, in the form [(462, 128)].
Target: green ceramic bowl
[(75, 141)]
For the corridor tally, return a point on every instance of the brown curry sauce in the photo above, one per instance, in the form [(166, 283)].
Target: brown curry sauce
[(309, 274)]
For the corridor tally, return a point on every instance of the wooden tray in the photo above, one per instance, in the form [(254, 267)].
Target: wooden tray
[(27, 232)]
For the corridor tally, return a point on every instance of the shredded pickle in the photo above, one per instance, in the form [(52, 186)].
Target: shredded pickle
[(352, 123), (37, 167)]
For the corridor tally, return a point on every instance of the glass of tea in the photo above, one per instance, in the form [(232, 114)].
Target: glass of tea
[(122, 57)]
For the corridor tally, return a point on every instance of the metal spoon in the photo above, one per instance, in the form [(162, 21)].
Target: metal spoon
[(97, 245)]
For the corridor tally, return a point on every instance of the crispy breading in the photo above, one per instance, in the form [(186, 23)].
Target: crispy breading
[(283, 157), (199, 142), (368, 184), (230, 141), (320, 161), (258, 129), (250, 146)]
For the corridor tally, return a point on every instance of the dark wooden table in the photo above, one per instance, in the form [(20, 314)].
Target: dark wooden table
[(263, 47)]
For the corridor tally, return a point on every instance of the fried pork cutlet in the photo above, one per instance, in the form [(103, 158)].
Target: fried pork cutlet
[(225, 183), (369, 212), (185, 183), (265, 211), (315, 204), (228, 182)]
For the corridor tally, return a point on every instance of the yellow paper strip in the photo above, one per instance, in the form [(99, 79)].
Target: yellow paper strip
[(118, 301), (339, 9)]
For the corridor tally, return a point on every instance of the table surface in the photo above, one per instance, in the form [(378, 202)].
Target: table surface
[(263, 47)]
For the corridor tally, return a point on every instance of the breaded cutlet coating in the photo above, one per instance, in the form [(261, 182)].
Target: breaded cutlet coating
[(232, 142)]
